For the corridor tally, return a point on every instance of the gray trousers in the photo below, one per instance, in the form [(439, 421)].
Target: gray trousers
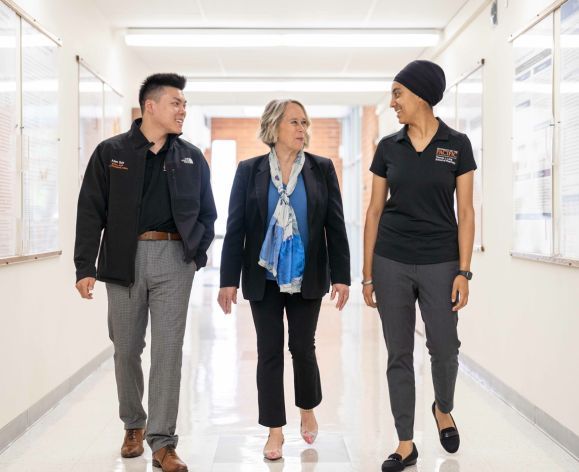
[(398, 286), (162, 286)]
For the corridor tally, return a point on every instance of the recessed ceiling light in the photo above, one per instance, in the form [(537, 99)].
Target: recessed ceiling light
[(286, 38)]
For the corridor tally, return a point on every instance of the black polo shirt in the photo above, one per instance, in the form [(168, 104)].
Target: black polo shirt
[(418, 224), (156, 214)]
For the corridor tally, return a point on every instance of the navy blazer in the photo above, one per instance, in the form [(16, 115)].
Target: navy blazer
[(328, 257)]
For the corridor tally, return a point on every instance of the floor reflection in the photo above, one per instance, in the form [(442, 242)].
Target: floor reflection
[(217, 421)]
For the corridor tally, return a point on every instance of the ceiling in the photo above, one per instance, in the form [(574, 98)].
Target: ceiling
[(288, 62)]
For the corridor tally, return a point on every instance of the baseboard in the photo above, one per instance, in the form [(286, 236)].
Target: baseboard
[(18, 426), (566, 438)]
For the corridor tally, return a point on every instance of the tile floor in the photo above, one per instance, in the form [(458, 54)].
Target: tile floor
[(217, 419)]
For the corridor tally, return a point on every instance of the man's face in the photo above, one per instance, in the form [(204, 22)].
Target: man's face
[(167, 110)]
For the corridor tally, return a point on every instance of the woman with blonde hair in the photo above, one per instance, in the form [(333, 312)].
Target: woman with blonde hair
[(286, 237)]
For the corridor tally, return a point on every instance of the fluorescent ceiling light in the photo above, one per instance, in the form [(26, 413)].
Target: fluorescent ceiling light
[(268, 86), (265, 38)]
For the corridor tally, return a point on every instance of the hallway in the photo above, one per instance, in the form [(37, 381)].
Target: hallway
[(217, 419)]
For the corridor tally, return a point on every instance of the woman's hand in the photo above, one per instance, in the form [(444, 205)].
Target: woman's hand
[(460, 290), (227, 295), (343, 292), (368, 293)]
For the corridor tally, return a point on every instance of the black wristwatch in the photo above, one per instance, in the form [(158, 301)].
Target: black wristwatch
[(465, 273)]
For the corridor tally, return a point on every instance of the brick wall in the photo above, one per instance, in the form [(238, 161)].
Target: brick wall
[(241, 130), (326, 136)]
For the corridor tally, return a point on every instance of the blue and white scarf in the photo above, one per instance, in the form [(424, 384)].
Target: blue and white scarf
[(282, 252)]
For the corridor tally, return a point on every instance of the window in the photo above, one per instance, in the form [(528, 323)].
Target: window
[(99, 113), (545, 137), (223, 168), (569, 119), (461, 109), (9, 133), (469, 121), (533, 140), (28, 138)]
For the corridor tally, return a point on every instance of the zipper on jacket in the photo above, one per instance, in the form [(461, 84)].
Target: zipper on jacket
[(140, 183)]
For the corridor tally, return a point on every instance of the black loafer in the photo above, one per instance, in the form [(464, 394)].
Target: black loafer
[(449, 437), (395, 463)]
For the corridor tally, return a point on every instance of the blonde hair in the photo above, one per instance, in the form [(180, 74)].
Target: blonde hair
[(271, 118)]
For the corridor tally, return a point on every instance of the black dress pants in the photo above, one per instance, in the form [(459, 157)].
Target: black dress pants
[(302, 315)]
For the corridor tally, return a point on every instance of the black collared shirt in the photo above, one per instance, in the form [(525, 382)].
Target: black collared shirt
[(156, 214), (418, 224)]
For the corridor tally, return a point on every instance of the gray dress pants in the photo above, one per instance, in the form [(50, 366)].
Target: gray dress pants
[(162, 286), (398, 286)]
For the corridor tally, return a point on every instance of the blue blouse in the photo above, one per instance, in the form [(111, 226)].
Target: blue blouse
[(299, 202)]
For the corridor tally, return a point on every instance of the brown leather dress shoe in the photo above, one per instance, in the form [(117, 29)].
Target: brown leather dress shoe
[(168, 461), (133, 443)]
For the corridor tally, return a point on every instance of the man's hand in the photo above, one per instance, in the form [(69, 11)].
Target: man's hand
[(227, 295), (85, 287), (460, 291), (343, 292)]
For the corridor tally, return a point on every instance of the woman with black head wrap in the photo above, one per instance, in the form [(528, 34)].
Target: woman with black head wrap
[(416, 250)]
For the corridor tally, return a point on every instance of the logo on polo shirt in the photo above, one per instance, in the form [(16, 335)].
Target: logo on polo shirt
[(115, 164), (446, 155)]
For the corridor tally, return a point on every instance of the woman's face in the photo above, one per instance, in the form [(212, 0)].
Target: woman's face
[(291, 131), (406, 104)]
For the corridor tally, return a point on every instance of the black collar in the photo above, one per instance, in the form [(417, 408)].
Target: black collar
[(139, 140), (442, 133)]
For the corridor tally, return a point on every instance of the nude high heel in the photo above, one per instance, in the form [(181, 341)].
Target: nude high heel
[(308, 436), (273, 454)]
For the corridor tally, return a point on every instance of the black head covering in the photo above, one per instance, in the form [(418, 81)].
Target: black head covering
[(425, 79)]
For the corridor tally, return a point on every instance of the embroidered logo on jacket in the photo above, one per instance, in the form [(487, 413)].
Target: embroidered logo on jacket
[(187, 160), (118, 165), (446, 155)]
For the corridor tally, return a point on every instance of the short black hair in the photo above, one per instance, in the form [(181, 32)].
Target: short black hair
[(154, 83)]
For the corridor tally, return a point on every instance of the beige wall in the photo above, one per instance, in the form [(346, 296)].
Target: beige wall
[(522, 321), (48, 332)]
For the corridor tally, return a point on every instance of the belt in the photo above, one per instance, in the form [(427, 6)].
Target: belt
[(159, 236)]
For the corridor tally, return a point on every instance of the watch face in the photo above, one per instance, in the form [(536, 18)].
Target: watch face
[(466, 274)]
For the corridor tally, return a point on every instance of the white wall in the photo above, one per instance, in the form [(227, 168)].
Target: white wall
[(522, 321), (47, 332)]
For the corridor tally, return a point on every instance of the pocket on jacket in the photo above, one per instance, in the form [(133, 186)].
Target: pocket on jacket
[(198, 232), (183, 185)]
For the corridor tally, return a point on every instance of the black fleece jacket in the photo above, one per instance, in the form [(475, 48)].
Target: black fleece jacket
[(110, 199)]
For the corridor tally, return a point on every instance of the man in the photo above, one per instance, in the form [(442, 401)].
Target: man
[(148, 192)]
